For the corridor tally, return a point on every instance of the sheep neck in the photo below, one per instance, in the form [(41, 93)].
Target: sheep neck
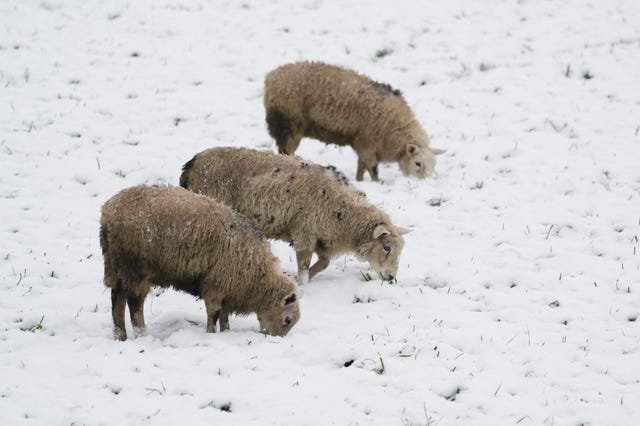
[(360, 223)]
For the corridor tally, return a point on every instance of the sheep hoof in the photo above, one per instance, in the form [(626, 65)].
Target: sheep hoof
[(303, 277), (119, 334), (139, 332)]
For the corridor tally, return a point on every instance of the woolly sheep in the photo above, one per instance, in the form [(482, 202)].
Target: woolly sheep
[(298, 202), (339, 106), (167, 236)]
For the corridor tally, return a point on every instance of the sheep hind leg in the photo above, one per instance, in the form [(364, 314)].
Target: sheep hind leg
[(224, 317), (135, 300), (284, 131), (360, 170), (214, 307), (292, 144), (292, 141), (373, 172), (118, 305)]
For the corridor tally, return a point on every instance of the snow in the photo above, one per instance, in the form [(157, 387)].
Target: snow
[(517, 297)]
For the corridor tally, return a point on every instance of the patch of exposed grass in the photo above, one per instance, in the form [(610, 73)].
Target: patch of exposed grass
[(381, 53), (35, 327), (453, 395)]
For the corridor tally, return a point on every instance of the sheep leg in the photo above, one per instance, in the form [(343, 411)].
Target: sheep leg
[(360, 170), (320, 265), (372, 167), (286, 133), (373, 171), (118, 305), (224, 317), (292, 142), (367, 161), (213, 306), (135, 300), (303, 258)]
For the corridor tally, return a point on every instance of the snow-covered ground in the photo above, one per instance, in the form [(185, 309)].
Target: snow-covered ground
[(517, 301)]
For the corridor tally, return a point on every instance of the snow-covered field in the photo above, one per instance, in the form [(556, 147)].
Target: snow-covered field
[(517, 301)]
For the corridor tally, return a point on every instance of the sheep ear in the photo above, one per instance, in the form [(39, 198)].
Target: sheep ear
[(380, 231), (412, 149), (437, 151), (289, 299), (403, 231)]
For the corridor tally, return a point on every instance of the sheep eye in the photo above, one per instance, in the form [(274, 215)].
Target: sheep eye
[(418, 164), (387, 248)]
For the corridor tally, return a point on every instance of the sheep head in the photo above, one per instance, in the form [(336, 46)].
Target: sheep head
[(279, 320), (383, 250), (419, 161)]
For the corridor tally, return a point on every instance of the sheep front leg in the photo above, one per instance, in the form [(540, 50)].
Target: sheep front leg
[(118, 305), (369, 163), (320, 265), (303, 258)]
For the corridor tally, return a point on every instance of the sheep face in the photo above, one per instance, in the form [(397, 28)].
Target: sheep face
[(280, 320), (383, 250), (418, 161)]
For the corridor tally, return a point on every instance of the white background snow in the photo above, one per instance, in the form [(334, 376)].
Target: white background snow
[(517, 300)]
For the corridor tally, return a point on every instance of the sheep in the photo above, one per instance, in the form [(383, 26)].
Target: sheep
[(298, 202), (339, 106), (169, 237)]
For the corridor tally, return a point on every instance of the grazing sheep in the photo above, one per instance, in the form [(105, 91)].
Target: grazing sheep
[(166, 236), (307, 205), (339, 106)]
